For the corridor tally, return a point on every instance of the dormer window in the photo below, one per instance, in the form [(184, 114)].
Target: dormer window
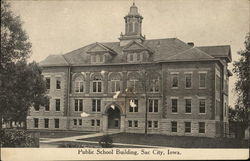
[(97, 58), (135, 57), (100, 53)]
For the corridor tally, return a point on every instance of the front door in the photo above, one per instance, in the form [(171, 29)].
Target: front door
[(114, 118)]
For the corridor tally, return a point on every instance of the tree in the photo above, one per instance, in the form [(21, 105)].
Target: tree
[(21, 84), (241, 69), (146, 79)]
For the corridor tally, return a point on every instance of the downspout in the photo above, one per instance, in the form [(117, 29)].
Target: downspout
[(68, 97)]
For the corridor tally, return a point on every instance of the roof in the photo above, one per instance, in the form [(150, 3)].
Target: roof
[(54, 60), (169, 49), (223, 51)]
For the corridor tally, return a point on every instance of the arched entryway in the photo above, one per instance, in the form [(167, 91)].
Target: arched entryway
[(114, 117)]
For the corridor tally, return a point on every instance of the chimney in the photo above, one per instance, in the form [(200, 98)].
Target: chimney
[(191, 44)]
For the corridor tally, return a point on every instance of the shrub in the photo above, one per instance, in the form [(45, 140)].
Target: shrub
[(16, 138), (106, 142)]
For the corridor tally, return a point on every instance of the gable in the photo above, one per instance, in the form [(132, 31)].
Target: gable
[(223, 51), (98, 48), (134, 46)]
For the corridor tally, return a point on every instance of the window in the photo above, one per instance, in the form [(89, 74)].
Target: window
[(93, 58), (129, 123), (75, 121), (46, 123), (115, 85), (155, 124), (97, 84), (78, 105), (225, 110), (174, 126), (97, 122), (187, 127), (174, 105), (201, 127), (116, 123), (56, 123), (58, 105), (80, 121), (188, 105), (79, 87), (155, 85), (133, 105), (217, 84), (149, 124), (202, 106), (133, 83), (175, 79), (58, 83), (100, 58), (47, 105), (36, 122), (138, 56), (36, 107), (92, 122), (188, 78), (202, 80), (131, 57), (96, 105), (136, 123), (153, 105), (47, 83)]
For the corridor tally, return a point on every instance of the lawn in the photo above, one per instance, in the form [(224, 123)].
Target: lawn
[(175, 141), (61, 134)]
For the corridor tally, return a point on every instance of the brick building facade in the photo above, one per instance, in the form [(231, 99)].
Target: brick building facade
[(169, 86)]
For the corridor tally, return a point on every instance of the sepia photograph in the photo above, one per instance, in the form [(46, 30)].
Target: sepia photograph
[(124, 79)]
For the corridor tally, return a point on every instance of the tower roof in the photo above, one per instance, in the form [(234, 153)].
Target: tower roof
[(133, 10)]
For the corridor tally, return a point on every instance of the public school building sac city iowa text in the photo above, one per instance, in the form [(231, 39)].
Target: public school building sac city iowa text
[(176, 87)]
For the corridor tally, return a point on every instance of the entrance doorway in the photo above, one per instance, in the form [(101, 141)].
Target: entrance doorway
[(114, 117)]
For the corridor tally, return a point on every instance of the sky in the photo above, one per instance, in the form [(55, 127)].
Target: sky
[(57, 27)]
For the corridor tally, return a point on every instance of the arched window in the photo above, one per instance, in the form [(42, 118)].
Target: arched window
[(115, 82), (133, 82), (97, 83), (154, 83), (79, 85)]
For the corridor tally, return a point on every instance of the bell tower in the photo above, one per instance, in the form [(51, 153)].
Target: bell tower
[(133, 25)]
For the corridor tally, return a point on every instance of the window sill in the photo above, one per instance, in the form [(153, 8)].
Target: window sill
[(174, 87), (202, 88), (188, 113), (188, 88), (202, 113), (174, 113)]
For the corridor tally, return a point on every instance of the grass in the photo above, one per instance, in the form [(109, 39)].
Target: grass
[(61, 134), (175, 141)]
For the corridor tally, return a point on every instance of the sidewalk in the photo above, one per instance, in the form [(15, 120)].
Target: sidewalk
[(47, 141), (74, 138)]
